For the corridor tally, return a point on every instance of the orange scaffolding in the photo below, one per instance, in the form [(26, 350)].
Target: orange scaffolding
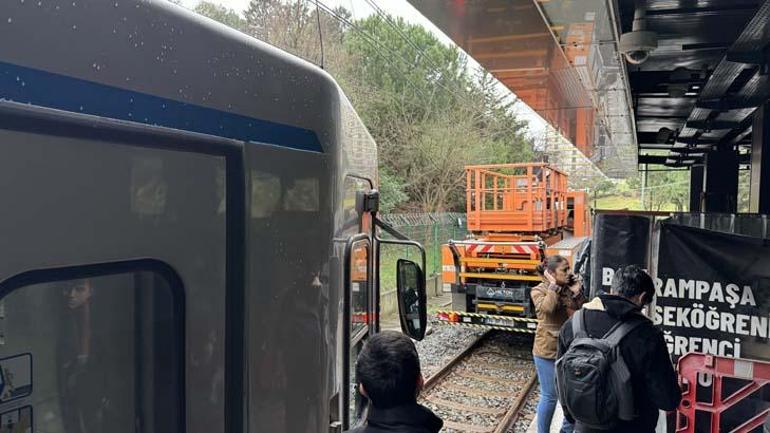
[(515, 198)]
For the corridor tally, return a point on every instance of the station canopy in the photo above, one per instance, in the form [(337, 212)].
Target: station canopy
[(697, 90)]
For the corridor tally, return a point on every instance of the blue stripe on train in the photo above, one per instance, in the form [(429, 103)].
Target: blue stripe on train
[(46, 89)]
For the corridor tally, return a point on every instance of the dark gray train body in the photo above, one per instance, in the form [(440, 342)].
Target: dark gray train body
[(176, 200)]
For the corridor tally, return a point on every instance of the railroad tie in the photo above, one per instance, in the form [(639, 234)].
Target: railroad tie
[(470, 374), (466, 407), (478, 392), (468, 427)]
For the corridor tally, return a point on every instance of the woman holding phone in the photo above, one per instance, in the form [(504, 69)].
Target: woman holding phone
[(556, 298)]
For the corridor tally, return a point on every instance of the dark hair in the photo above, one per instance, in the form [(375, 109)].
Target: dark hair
[(550, 263), (388, 367), (632, 281)]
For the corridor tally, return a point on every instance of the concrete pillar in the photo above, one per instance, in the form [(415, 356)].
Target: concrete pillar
[(696, 188), (721, 181), (760, 162)]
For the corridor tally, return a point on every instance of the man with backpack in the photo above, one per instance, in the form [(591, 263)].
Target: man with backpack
[(613, 371)]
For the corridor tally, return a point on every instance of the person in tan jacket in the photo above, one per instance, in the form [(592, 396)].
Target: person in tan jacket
[(556, 299)]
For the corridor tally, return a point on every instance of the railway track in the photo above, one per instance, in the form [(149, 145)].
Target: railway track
[(484, 388)]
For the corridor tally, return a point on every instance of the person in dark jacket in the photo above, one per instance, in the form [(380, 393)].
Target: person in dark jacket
[(388, 374), (654, 381)]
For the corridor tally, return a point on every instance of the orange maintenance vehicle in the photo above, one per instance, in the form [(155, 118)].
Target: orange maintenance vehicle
[(516, 214)]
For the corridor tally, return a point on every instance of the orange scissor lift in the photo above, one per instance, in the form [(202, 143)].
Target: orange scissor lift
[(516, 214)]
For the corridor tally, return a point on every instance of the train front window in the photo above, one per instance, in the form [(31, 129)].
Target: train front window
[(92, 354)]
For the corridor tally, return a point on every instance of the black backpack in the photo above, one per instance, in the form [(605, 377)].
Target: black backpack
[(592, 378)]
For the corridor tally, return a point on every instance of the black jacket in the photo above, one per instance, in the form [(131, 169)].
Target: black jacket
[(654, 380), (412, 418)]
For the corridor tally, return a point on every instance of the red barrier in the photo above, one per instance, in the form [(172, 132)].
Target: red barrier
[(722, 394)]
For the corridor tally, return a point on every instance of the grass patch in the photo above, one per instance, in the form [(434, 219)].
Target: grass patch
[(618, 202)]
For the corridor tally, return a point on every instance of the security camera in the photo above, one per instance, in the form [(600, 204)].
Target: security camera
[(637, 56), (637, 44)]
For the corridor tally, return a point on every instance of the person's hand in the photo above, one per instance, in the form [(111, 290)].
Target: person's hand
[(549, 277)]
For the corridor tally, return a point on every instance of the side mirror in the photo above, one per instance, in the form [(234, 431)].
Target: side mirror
[(412, 300), (409, 285)]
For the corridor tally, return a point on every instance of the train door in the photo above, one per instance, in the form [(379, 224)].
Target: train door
[(359, 298), (362, 266)]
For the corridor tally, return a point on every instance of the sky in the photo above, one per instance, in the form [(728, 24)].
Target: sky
[(400, 8)]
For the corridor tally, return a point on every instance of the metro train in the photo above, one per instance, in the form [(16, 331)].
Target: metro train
[(189, 229)]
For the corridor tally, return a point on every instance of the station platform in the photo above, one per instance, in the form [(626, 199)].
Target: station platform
[(558, 416)]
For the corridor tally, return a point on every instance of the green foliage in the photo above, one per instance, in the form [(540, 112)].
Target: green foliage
[(392, 191), (605, 187), (220, 13), (429, 116), (663, 191), (667, 188), (409, 63), (744, 190), (634, 182)]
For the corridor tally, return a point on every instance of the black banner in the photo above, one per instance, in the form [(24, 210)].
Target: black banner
[(618, 240), (713, 293)]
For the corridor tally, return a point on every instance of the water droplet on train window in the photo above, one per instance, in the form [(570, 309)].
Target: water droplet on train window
[(10, 20)]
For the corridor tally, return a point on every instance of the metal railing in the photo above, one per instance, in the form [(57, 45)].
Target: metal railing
[(431, 230)]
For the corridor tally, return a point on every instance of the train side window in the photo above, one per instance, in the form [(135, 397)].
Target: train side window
[(93, 349)]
